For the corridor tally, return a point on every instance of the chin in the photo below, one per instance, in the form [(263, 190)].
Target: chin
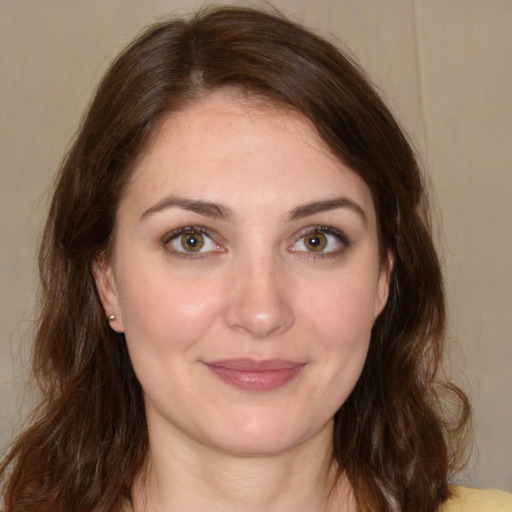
[(256, 445), (263, 436)]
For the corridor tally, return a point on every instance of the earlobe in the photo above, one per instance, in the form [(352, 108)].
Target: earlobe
[(384, 283), (107, 290)]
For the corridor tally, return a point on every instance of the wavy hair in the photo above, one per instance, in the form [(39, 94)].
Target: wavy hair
[(87, 440)]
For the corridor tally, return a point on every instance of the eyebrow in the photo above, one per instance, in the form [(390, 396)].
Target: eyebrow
[(218, 211), (204, 208), (328, 204)]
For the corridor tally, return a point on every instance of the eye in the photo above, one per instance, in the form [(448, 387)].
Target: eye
[(323, 240), (191, 240)]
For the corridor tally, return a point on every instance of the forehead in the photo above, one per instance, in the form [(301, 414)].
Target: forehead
[(229, 148)]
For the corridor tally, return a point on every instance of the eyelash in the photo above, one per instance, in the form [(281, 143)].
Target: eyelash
[(328, 230)]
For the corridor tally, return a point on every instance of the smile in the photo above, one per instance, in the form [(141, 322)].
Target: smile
[(251, 375)]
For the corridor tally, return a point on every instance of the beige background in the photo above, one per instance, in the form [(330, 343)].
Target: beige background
[(444, 66)]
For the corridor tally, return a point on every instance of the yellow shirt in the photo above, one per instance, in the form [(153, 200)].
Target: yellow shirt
[(464, 500), (477, 500)]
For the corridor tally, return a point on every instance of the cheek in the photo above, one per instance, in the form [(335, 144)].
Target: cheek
[(164, 312), (339, 320), (342, 310)]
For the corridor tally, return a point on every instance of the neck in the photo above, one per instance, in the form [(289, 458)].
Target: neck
[(190, 477)]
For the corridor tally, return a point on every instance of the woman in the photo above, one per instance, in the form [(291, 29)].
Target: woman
[(242, 308)]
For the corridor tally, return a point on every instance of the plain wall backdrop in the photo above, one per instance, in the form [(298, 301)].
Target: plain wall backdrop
[(444, 67)]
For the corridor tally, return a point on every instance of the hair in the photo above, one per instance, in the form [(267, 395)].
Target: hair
[(88, 440)]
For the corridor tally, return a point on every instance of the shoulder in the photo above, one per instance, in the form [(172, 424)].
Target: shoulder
[(478, 500)]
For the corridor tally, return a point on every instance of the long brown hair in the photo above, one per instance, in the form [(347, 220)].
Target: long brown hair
[(88, 437)]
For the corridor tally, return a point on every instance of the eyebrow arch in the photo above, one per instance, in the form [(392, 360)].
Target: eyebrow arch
[(328, 204), (204, 208)]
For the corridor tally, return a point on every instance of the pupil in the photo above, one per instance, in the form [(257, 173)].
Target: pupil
[(192, 241)]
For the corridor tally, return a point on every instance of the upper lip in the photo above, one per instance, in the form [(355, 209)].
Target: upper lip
[(255, 365)]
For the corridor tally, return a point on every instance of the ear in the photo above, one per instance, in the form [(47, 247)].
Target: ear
[(382, 294), (107, 290)]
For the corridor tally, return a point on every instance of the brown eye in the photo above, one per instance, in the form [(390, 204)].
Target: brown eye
[(192, 242), (315, 242), (323, 240)]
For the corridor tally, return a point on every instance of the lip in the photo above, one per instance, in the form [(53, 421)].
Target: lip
[(256, 375)]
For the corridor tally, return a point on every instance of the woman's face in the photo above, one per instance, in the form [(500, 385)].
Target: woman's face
[(245, 276)]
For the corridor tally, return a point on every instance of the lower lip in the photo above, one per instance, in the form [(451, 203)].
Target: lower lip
[(256, 380)]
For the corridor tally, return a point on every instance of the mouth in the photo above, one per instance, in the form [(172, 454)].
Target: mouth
[(253, 375)]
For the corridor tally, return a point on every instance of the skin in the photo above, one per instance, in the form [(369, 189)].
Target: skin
[(255, 290)]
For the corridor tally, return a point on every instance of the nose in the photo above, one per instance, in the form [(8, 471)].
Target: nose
[(259, 304)]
